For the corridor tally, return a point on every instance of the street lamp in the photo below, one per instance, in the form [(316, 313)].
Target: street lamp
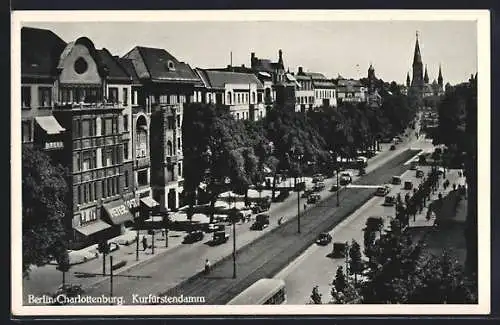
[(234, 219)]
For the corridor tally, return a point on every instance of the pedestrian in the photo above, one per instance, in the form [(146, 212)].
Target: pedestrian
[(144, 243), (207, 266)]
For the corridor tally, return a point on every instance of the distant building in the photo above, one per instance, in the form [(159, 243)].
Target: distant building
[(350, 90), (242, 92), (373, 98), (316, 90)]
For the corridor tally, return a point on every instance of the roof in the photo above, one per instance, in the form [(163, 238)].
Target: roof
[(115, 70), (316, 75), (40, 51), (218, 79), (324, 84), (128, 65), (348, 85), (162, 66)]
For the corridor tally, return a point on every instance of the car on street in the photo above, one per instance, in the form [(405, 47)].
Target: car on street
[(345, 178), (413, 165), (261, 222), (193, 236), (419, 173), (213, 227), (261, 205), (408, 185), (324, 239), (383, 190), (339, 250), (313, 198), (318, 178), (334, 188), (396, 180), (319, 186), (306, 194), (392, 147), (389, 200), (219, 237), (282, 196), (127, 238)]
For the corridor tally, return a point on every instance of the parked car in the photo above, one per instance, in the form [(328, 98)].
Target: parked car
[(389, 200), (261, 222), (319, 186), (396, 180), (127, 238), (194, 236), (413, 165), (214, 227), (313, 198), (324, 239), (282, 196), (392, 147), (408, 185), (419, 173), (220, 237), (318, 178), (383, 190), (339, 250), (345, 178), (261, 205), (306, 194), (334, 188)]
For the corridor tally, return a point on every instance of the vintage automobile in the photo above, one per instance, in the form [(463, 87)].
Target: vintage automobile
[(396, 180), (419, 173), (413, 165), (282, 196), (213, 227), (261, 205), (318, 178), (408, 185), (313, 198), (334, 188), (345, 178), (220, 237), (324, 239), (194, 236), (261, 222), (339, 250), (306, 194), (319, 186), (383, 190), (389, 200), (392, 147)]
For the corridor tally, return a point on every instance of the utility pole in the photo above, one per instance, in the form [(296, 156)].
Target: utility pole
[(338, 188), (298, 208), (234, 246), (111, 276), (136, 238), (152, 237)]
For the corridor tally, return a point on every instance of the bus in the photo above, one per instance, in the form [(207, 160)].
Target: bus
[(262, 292)]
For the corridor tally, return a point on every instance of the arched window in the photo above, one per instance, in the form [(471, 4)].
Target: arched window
[(141, 130), (253, 97), (229, 97), (170, 149)]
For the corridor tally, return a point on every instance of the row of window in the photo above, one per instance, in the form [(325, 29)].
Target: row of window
[(88, 127), (239, 98), (305, 99), (87, 160), (170, 147), (171, 125), (91, 191), (324, 94), (87, 216), (75, 95)]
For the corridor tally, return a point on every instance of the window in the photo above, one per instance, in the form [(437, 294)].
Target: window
[(237, 116), (113, 95), (26, 131), (89, 160), (170, 66), (178, 121), (125, 122), (103, 188), (209, 96), (125, 175), (179, 169), (134, 97), (239, 99), (173, 99), (76, 161), (178, 143), (85, 128), (26, 96), (253, 97), (142, 177), (170, 123), (125, 150), (170, 148), (229, 97), (259, 97), (125, 96), (79, 194), (44, 97)]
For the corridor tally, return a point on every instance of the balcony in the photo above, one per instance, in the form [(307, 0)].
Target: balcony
[(142, 162), (86, 106)]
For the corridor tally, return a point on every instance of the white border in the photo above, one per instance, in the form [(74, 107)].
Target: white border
[(483, 36)]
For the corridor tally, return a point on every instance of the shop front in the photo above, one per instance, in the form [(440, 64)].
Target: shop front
[(88, 229), (118, 214)]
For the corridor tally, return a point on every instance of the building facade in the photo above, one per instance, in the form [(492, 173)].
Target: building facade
[(350, 90), (243, 93), (167, 85)]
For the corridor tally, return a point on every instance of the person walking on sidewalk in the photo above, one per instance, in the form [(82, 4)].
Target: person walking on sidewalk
[(144, 243), (207, 266)]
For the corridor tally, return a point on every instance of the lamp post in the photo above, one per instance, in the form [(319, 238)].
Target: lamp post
[(298, 188), (233, 221), (136, 238), (152, 236)]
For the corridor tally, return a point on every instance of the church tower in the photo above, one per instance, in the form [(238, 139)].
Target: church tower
[(418, 73), (371, 79), (440, 79), (426, 76)]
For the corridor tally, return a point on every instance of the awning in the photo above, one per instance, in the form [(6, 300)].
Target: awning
[(118, 212), (49, 124), (149, 202), (93, 227)]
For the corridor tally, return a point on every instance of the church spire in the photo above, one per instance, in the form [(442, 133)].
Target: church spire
[(440, 77), (407, 79), (417, 57), (426, 76)]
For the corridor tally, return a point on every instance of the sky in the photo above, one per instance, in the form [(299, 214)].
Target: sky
[(330, 47)]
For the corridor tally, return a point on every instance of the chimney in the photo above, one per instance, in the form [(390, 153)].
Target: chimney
[(280, 55), (301, 71)]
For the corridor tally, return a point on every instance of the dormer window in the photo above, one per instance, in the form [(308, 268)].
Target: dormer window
[(170, 66)]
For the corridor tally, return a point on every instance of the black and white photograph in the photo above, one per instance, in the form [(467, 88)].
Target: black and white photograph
[(327, 162)]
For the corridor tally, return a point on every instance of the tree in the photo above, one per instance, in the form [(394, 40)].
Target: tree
[(355, 261), (63, 262), (316, 296), (340, 281), (44, 190)]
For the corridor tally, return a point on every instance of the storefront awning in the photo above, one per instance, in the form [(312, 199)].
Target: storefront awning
[(92, 228), (49, 124), (118, 212), (149, 202)]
